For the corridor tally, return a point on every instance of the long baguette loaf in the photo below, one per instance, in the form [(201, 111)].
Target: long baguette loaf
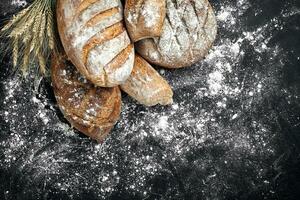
[(95, 39), (144, 18), (189, 31), (146, 85), (91, 110)]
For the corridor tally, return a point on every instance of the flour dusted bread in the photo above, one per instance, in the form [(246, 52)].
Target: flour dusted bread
[(144, 18), (189, 31), (95, 39), (146, 85), (91, 110)]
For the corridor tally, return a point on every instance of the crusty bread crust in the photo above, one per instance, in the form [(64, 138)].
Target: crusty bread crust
[(189, 31), (144, 18), (94, 36), (91, 110), (146, 85)]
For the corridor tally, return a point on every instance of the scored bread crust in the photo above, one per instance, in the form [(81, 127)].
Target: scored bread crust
[(91, 110), (146, 85), (95, 39), (189, 31), (144, 18)]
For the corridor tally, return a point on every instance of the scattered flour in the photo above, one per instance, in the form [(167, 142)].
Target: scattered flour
[(149, 140), (150, 14), (19, 3)]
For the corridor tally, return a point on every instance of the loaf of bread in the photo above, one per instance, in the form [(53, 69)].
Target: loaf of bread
[(91, 110), (144, 18), (189, 31), (95, 39), (146, 85)]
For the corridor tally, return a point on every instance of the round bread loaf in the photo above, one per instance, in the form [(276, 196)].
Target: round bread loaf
[(91, 110), (95, 39), (144, 18), (146, 85), (189, 31)]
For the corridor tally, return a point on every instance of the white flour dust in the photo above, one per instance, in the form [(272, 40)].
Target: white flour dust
[(19, 3), (211, 103)]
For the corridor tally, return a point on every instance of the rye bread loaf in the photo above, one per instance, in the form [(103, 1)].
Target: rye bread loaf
[(91, 110), (144, 18), (189, 31), (146, 85), (95, 39)]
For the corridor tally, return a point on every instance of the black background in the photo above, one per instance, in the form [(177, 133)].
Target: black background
[(165, 152)]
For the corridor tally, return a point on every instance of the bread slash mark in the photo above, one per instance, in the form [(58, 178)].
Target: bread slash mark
[(101, 16), (120, 59), (84, 5), (106, 35)]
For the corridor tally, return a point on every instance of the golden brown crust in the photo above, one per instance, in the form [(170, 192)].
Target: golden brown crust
[(144, 18), (120, 58), (189, 31), (87, 29), (146, 85), (108, 34), (91, 110), (84, 4), (101, 16)]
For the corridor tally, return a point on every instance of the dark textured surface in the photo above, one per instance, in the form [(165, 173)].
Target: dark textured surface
[(232, 133)]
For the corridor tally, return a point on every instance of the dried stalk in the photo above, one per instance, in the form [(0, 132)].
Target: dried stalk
[(31, 35), (15, 19)]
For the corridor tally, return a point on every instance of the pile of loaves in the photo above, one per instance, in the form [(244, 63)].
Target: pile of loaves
[(107, 48)]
